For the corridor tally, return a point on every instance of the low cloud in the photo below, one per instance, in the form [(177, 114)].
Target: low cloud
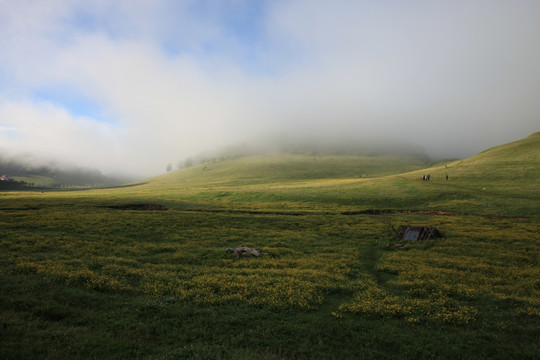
[(171, 79)]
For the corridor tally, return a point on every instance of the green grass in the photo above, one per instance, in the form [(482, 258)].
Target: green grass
[(79, 279)]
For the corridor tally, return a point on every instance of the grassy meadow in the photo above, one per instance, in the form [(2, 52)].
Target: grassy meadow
[(84, 276)]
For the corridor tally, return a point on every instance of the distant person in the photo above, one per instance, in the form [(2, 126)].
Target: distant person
[(446, 177)]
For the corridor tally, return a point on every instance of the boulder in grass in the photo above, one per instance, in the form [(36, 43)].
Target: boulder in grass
[(244, 251)]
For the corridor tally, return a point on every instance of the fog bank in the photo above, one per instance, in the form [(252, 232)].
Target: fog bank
[(130, 86)]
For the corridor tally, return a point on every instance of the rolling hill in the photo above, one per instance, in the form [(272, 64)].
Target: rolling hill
[(498, 181)]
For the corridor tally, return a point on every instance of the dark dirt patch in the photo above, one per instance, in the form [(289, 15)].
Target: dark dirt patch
[(20, 209), (382, 212), (249, 212), (155, 207), (426, 212)]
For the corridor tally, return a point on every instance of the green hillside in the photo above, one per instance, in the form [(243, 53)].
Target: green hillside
[(499, 181), (287, 167), (141, 271), (512, 167)]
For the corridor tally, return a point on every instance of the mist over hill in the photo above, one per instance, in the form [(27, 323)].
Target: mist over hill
[(311, 146), (39, 172)]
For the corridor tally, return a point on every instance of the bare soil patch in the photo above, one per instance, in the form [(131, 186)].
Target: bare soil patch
[(426, 212), (154, 207), (382, 212)]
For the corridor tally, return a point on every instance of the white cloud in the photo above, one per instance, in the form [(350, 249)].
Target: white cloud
[(171, 79), (51, 132)]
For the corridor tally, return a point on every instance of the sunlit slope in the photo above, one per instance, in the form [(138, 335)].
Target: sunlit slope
[(284, 168), (502, 181), (512, 167), (273, 181)]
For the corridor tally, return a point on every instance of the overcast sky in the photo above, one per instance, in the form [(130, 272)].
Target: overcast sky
[(133, 85)]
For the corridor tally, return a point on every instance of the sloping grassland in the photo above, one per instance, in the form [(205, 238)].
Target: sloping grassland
[(84, 274)]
